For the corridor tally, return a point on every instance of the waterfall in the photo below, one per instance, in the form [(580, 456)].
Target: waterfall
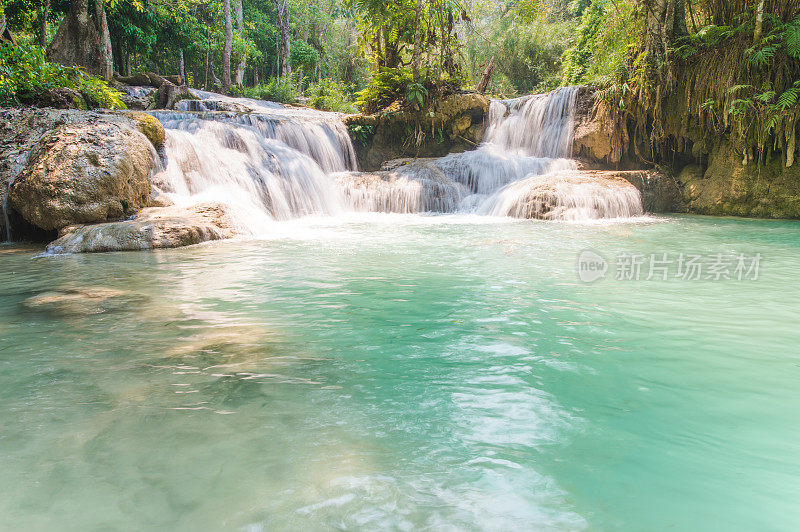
[(565, 196), (540, 125), (273, 162), (269, 162)]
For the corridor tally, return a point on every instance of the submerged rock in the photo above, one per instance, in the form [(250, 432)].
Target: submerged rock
[(155, 227), (81, 301)]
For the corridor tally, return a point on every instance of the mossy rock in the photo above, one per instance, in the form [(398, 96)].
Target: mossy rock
[(149, 126), (729, 188)]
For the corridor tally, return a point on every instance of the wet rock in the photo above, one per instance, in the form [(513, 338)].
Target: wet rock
[(149, 126), (571, 195), (158, 199), (598, 137), (660, 192), (81, 301), (157, 227), (456, 124), (81, 173)]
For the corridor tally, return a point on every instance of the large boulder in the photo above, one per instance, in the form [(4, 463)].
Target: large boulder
[(83, 173), (24, 133), (156, 227)]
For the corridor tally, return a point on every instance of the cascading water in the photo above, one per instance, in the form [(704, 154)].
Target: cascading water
[(272, 162), (521, 169)]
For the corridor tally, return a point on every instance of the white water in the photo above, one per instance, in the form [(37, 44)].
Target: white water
[(272, 162)]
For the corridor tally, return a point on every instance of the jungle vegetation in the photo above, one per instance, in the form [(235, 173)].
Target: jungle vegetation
[(730, 65)]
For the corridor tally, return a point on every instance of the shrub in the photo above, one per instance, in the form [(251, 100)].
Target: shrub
[(281, 90), (331, 95), (25, 73), (390, 85)]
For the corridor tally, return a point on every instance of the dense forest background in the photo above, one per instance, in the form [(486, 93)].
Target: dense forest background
[(735, 61)]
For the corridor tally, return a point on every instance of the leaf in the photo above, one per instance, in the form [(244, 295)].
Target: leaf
[(737, 88)]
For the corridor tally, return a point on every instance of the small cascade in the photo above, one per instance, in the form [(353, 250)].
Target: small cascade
[(540, 125), (137, 91), (261, 177), (527, 136), (566, 196), (405, 190), (268, 163)]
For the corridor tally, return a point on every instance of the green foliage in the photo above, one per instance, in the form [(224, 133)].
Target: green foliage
[(416, 94), (303, 56), (361, 134), (331, 95), (600, 52), (387, 86), (281, 90), (25, 73)]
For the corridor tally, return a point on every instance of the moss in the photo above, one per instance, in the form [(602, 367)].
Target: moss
[(149, 126), (455, 124), (729, 188)]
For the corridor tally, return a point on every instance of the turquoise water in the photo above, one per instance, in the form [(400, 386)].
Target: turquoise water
[(403, 373)]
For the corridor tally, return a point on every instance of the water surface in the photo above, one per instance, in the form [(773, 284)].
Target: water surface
[(403, 372)]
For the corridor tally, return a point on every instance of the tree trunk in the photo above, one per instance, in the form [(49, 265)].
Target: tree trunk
[(106, 54), (417, 41), (665, 21), (486, 77), (759, 21), (284, 38), (5, 33), (214, 79), (83, 40), (226, 51), (240, 28), (182, 66), (44, 11)]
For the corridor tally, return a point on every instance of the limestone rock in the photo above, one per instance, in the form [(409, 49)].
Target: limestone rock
[(21, 131), (727, 187), (82, 173), (155, 227), (598, 137), (456, 124)]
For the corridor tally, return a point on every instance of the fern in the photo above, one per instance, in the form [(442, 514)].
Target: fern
[(765, 96), (792, 38), (737, 88), (762, 56)]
